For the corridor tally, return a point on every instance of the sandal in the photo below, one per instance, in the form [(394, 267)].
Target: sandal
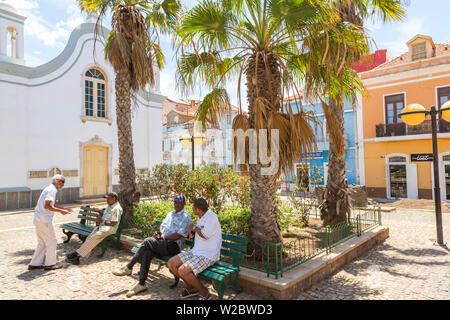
[(208, 297), (186, 294)]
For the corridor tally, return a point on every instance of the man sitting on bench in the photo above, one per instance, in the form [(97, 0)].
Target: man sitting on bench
[(206, 251), (167, 241), (107, 225)]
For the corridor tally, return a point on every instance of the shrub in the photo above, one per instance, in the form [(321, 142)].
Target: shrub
[(217, 184), (146, 213), (233, 220), (300, 208), (162, 180)]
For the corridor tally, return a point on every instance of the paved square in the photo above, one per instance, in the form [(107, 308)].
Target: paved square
[(406, 266)]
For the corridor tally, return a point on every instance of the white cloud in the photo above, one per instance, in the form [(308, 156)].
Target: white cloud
[(54, 36), (167, 83), (33, 60), (411, 27), (405, 31), (23, 4)]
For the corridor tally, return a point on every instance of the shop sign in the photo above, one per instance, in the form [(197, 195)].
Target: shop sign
[(422, 157), (314, 155)]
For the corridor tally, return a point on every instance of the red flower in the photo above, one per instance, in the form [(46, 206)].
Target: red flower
[(207, 191), (240, 182), (217, 177), (228, 185), (171, 189)]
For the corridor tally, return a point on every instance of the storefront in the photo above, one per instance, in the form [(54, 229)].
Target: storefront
[(408, 172)]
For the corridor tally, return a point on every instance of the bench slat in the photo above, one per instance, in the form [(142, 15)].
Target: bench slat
[(220, 263), (235, 238), (88, 213), (234, 246), (77, 227), (232, 254), (87, 218), (212, 275), (221, 270)]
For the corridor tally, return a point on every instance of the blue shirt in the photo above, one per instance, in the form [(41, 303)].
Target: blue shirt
[(176, 222)]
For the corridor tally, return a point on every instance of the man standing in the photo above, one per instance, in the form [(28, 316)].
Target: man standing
[(206, 251), (45, 254), (108, 224), (167, 241)]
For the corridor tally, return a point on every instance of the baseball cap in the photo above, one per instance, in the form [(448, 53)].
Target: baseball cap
[(111, 195), (179, 198)]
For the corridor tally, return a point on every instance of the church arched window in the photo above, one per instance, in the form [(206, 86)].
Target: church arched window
[(95, 93)]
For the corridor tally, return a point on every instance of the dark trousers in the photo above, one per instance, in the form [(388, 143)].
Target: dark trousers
[(149, 249)]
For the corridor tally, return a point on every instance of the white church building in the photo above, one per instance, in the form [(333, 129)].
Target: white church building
[(59, 117)]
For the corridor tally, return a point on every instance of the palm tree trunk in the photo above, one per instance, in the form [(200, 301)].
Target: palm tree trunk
[(335, 207), (128, 193), (264, 226)]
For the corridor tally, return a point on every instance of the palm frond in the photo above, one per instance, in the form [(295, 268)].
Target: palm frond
[(214, 104)]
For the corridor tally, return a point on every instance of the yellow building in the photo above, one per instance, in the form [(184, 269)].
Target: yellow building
[(395, 158)]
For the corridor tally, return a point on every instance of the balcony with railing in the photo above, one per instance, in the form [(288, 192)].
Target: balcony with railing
[(401, 129)]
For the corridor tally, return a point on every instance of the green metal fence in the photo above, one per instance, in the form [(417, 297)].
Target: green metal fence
[(277, 258)]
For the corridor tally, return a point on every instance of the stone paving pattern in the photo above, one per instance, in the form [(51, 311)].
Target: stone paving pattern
[(406, 266)]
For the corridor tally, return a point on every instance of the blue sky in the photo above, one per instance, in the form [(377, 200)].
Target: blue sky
[(50, 23)]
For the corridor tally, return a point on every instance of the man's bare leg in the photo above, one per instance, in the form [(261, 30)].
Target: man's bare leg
[(191, 280), (174, 264)]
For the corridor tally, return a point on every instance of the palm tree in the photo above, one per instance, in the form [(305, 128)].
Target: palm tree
[(336, 205), (132, 49), (269, 43)]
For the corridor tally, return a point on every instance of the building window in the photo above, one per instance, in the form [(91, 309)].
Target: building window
[(397, 177), (95, 94), (443, 96), (419, 51), (212, 144), (394, 106)]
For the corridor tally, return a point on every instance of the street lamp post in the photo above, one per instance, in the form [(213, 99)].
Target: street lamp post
[(413, 115), (187, 140)]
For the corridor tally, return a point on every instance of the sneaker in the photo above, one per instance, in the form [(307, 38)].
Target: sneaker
[(72, 255), (124, 271), (186, 294), (208, 297), (75, 261), (138, 288)]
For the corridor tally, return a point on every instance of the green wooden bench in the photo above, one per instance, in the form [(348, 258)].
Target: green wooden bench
[(224, 273), (84, 228)]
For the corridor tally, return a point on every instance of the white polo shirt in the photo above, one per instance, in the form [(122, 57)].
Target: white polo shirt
[(210, 227), (40, 213)]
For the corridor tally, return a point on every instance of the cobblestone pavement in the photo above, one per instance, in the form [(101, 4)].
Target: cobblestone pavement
[(406, 266)]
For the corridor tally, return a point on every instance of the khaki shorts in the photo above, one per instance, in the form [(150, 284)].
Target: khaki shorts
[(197, 263)]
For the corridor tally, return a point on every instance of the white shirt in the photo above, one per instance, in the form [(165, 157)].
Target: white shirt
[(112, 214), (40, 213), (210, 227)]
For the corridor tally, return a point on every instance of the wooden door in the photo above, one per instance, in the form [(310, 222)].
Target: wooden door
[(95, 170)]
